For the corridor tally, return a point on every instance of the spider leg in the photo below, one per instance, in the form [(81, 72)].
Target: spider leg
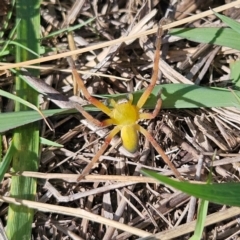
[(107, 122), (107, 141), (88, 116), (156, 110), (160, 151), (87, 95), (152, 84)]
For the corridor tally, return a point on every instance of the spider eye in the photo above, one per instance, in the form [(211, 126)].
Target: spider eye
[(129, 137)]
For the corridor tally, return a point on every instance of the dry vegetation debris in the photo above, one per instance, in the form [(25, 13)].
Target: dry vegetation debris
[(189, 136)]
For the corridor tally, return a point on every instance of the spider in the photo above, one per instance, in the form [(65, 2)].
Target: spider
[(125, 116)]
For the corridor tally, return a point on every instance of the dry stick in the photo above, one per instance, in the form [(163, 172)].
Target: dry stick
[(193, 200), (90, 178), (164, 207), (123, 39), (75, 212), (54, 96), (112, 50), (189, 227), (184, 145), (89, 204), (105, 178)]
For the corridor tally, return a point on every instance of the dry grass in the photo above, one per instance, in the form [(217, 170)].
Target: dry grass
[(115, 190)]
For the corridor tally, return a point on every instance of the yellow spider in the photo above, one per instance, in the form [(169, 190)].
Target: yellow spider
[(125, 116)]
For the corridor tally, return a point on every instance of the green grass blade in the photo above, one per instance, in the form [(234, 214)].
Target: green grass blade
[(13, 120), (219, 36), (202, 214), (5, 163), (24, 102), (49, 143), (10, 36), (24, 47), (173, 95), (234, 73), (14, 43), (69, 29), (18, 99), (187, 96), (221, 193), (25, 139), (230, 22)]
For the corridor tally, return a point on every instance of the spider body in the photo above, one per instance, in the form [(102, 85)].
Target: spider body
[(125, 116)]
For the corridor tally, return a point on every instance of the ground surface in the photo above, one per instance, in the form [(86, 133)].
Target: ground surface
[(188, 136)]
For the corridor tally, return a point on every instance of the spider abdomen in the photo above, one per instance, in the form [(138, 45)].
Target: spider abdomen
[(129, 136)]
